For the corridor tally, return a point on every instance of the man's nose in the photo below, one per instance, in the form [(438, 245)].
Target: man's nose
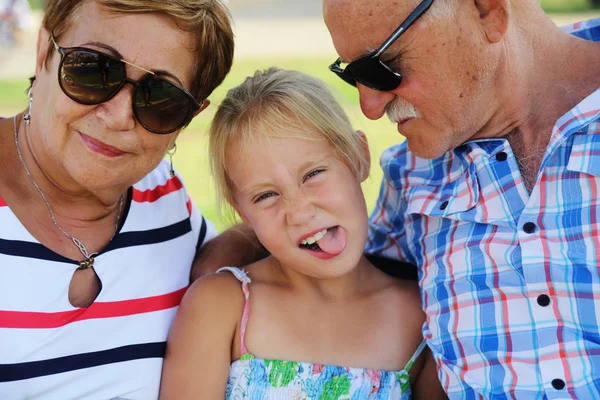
[(373, 102)]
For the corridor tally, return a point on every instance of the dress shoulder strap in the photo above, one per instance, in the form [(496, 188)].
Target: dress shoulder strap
[(240, 274), (243, 277), (415, 355)]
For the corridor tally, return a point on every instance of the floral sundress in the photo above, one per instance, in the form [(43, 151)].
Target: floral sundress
[(259, 379)]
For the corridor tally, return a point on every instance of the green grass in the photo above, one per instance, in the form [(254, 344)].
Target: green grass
[(566, 6), (191, 159), (37, 4)]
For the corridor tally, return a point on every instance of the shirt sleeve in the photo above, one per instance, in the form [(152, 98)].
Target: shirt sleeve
[(202, 227), (387, 223), (205, 228)]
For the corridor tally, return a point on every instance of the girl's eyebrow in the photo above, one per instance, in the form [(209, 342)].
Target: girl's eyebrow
[(260, 185), (306, 164), (252, 189)]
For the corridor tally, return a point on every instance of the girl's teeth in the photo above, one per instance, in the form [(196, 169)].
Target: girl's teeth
[(312, 239)]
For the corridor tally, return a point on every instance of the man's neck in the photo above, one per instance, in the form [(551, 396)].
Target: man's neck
[(559, 73)]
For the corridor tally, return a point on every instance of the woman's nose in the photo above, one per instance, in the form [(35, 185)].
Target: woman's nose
[(117, 113)]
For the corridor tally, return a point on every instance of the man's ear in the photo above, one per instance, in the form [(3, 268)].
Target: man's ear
[(41, 50), (204, 104), (365, 148), (493, 17)]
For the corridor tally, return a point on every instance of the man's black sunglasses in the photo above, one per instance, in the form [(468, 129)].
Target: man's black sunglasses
[(369, 70), (91, 77)]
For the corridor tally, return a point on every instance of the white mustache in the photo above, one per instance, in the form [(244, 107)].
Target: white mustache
[(400, 110)]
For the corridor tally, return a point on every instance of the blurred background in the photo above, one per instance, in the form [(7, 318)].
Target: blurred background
[(284, 33)]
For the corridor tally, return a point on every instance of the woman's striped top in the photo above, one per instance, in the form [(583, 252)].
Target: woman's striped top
[(114, 348)]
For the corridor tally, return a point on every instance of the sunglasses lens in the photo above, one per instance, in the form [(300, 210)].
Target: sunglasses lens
[(372, 73), (343, 74), (347, 77), (160, 106), (89, 77)]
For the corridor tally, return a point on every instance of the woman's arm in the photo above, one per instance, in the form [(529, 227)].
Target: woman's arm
[(236, 247), (427, 385), (199, 346)]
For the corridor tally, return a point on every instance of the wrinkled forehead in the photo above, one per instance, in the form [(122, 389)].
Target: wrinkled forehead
[(358, 26)]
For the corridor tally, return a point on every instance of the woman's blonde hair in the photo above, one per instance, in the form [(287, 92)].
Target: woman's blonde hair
[(281, 103), (209, 20)]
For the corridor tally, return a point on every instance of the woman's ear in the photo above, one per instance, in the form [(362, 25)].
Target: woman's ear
[(205, 103), (41, 50), (366, 153)]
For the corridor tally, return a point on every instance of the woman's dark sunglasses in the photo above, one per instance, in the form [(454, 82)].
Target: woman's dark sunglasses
[(90, 77), (369, 70)]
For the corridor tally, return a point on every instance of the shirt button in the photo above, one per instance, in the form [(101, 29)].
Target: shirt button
[(502, 156), (543, 300), (529, 227), (444, 205), (558, 384)]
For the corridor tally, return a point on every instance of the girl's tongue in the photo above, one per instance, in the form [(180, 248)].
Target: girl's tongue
[(334, 242)]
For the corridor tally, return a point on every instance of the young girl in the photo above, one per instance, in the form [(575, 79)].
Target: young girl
[(315, 320)]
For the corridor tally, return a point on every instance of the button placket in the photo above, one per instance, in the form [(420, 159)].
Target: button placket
[(543, 300), (501, 156), (444, 205), (558, 384), (529, 227)]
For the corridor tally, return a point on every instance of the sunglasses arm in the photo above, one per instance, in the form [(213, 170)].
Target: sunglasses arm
[(56, 46), (421, 8)]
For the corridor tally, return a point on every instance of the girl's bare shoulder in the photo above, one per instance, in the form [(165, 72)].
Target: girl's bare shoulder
[(221, 291)]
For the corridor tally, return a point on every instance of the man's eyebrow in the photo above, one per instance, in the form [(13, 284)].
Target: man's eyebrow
[(114, 52)]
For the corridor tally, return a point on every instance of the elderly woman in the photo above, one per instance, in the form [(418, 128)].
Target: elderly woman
[(97, 233)]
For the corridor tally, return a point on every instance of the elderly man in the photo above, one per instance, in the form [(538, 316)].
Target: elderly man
[(494, 195)]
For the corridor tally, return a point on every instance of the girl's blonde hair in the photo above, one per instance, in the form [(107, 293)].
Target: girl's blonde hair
[(281, 103)]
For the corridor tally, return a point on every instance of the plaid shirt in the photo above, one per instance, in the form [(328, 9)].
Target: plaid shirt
[(510, 281)]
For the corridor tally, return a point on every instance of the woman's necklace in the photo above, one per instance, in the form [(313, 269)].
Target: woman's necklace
[(89, 258)]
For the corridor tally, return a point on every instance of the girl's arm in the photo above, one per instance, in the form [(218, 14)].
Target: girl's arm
[(199, 346), (427, 385)]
